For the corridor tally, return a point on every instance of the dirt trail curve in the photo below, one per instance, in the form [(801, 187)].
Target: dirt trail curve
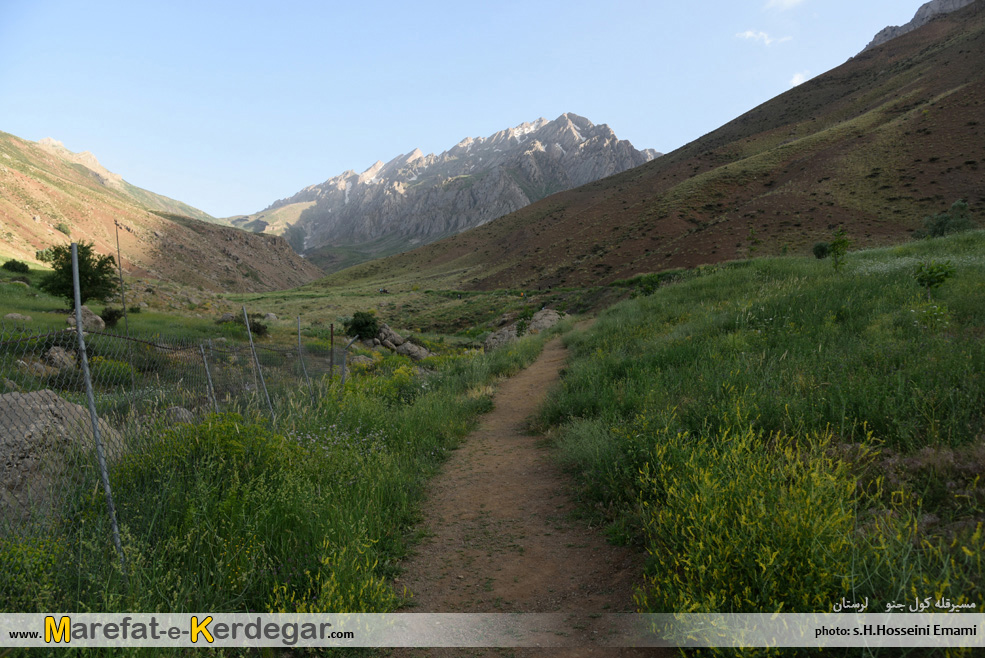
[(501, 535)]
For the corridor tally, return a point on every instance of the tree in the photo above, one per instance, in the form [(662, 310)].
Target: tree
[(838, 247), (97, 274)]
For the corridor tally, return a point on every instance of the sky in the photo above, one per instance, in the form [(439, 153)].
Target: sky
[(230, 106)]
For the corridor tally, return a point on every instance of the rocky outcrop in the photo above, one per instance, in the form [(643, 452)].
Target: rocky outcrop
[(391, 340), (417, 198), (41, 435), (542, 320), (924, 15)]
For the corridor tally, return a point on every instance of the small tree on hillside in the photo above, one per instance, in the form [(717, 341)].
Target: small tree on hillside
[(838, 247), (97, 274)]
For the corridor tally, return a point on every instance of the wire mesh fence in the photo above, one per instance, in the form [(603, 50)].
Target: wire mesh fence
[(140, 386)]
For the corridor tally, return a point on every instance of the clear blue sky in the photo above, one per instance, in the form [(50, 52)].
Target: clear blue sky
[(229, 106)]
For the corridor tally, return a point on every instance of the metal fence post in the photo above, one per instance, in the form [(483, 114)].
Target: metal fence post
[(208, 377), (256, 360), (94, 418), (303, 367), (345, 352)]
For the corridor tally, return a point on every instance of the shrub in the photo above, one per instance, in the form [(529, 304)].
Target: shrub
[(16, 266), (821, 250), (362, 324), (838, 248), (932, 274), (111, 315), (954, 220), (63, 227)]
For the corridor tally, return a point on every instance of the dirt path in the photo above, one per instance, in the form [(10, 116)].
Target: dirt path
[(502, 536)]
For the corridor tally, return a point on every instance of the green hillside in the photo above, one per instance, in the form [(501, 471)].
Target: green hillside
[(780, 434)]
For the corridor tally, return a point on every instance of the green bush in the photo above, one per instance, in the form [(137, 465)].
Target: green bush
[(932, 274), (111, 315), (362, 324), (954, 220), (63, 227), (16, 266), (821, 250)]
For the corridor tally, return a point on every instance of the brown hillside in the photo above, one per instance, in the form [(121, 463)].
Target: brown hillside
[(877, 144), (43, 194)]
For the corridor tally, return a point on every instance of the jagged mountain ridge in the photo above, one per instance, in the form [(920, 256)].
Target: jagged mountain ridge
[(415, 198), (50, 195), (926, 13)]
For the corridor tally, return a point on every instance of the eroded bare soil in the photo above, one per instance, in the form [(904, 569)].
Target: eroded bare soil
[(502, 534)]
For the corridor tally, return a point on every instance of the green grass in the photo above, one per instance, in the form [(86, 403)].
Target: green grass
[(778, 434), (234, 515)]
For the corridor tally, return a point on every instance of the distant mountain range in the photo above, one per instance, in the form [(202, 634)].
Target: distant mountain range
[(875, 145), (50, 195), (415, 199)]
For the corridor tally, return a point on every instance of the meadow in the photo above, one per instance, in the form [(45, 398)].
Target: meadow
[(779, 435)]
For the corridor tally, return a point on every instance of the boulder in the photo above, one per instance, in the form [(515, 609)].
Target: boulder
[(42, 437), (227, 317), (269, 317), (390, 346), (360, 360), (385, 333), (17, 317), (59, 357), (37, 368), (543, 319), (90, 321), (500, 337), (176, 415), (415, 352)]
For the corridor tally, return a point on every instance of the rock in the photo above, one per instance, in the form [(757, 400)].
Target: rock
[(20, 283), (90, 321), (360, 360), (269, 317), (926, 13), (37, 368), (390, 346), (59, 357), (415, 352), (41, 436), (9, 386), (177, 415), (227, 317), (500, 337), (143, 305), (543, 320), (17, 317), (387, 334)]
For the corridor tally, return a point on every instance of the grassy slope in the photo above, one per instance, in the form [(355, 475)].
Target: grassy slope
[(769, 418)]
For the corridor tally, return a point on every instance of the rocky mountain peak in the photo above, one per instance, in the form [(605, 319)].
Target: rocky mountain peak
[(416, 198), (926, 13), (85, 158)]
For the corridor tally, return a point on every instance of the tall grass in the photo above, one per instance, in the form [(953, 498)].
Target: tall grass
[(234, 515), (779, 435)]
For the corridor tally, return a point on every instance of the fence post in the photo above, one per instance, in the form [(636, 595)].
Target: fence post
[(123, 303), (331, 353), (256, 360), (303, 367), (93, 417), (345, 352), (208, 377)]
